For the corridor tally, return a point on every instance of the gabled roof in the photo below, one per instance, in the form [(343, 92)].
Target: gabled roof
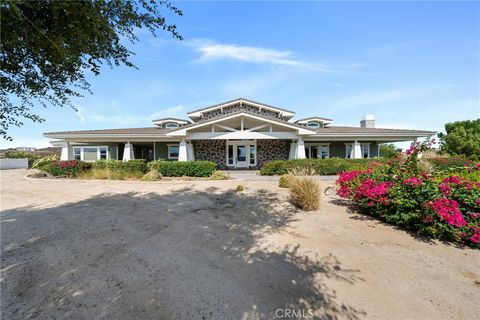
[(196, 113), (321, 119), (163, 120)]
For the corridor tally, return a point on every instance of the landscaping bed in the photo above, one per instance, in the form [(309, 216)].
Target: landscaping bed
[(443, 204)]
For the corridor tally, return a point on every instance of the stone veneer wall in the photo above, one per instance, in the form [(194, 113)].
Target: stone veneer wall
[(211, 150), (268, 150)]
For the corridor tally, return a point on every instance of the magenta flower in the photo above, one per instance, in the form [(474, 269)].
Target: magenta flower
[(412, 181), (448, 211), (444, 188), (453, 179)]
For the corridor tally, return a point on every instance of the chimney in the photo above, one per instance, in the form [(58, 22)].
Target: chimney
[(368, 121)]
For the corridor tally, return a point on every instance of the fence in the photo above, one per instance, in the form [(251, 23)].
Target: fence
[(13, 164)]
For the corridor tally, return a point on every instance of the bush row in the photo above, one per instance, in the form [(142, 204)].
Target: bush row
[(331, 166), (132, 166), (70, 168), (188, 168)]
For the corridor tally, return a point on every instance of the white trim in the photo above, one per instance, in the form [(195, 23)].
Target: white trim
[(168, 150), (183, 131), (247, 144), (225, 127)]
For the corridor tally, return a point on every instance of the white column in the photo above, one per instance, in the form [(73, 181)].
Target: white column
[(292, 153), (356, 151), (300, 149), (66, 152), (182, 151), (190, 152), (128, 152)]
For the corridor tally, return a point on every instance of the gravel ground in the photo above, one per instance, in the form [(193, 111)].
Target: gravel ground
[(199, 250)]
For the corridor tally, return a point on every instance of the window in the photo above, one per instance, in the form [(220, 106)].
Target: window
[(89, 154), (173, 151), (230, 154), (364, 149), (103, 153), (171, 125), (348, 151), (313, 125), (77, 154), (324, 151), (252, 154)]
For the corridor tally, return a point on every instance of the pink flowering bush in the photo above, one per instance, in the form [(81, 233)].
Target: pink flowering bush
[(69, 168), (399, 193)]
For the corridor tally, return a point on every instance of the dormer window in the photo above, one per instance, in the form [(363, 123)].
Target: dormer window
[(315, 124), (171, 125)]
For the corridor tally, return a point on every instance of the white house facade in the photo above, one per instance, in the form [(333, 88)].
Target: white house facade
[(235, 134)]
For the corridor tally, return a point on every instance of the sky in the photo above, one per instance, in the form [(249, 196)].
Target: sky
[(413, 65)]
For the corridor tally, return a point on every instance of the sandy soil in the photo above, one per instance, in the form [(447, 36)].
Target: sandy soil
[(200, 250)]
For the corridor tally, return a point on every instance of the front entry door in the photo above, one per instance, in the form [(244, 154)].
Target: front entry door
[(241, 156)]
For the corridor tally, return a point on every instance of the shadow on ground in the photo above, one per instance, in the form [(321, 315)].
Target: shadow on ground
[(186, 254)]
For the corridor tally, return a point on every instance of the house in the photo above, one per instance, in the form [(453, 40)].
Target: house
[(235, 134)]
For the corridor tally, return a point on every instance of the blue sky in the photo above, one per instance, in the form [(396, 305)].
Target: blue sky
[(411, 64)]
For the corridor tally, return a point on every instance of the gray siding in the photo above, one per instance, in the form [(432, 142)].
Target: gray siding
[(337, 148)]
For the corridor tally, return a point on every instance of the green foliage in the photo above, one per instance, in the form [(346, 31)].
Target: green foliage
[(331, 166), (284, 180), (187, 168), (21, 155), (70, 168), (389, 151), (448, 163), (152, 175), (132, 166), (462, 138), (45, 161), (48, 46), (219, 175)]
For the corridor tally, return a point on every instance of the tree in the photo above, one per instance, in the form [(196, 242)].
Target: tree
[(48, 46), (389, 150), (462, 138)]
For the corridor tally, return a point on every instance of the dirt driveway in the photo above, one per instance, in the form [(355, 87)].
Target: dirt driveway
[(200, 250)]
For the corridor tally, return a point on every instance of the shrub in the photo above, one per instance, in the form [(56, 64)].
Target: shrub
[(219, 175), (131, 166), (45, 161), (400, 193), (13, 154), (70, 168), (152, 175), (331, 166), (284, 180), (305, 193), (448, 163), (239, 188), (187, 168)]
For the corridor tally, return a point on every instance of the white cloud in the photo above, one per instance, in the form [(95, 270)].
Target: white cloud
[(210, 51)]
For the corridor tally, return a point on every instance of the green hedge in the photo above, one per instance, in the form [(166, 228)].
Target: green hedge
[(131, 166), (187, 168), (331, 166)]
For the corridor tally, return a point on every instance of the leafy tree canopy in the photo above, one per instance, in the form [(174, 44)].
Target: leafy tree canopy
[(462, 138), (389, 150), (48, 46)]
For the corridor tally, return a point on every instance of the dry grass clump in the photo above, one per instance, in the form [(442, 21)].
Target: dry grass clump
[(305, 193), (219, 175), (305, 169), (152, 175), (284, 180), (239, 188)]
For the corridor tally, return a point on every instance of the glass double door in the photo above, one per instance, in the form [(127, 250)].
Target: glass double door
[(241, 154)]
